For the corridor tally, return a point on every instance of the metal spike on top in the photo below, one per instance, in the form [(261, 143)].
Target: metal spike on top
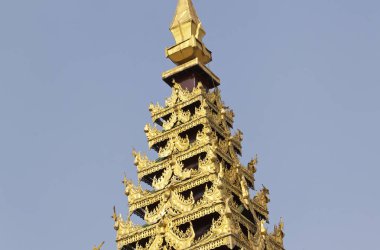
[(185, 12), (188, 33)]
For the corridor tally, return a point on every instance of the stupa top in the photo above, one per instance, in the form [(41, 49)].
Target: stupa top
[(188, 33), (185, 12)]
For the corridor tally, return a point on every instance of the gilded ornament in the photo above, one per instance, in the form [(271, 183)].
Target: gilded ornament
[(252, 165), (245, 191), (141, 161), (98, 247), (262, 199), (197, 175), (151, 132), (166, 125), (238, 136), (134, 193), (208, 164), (155, 109), (164, 179), (179, 171), (278, 232)]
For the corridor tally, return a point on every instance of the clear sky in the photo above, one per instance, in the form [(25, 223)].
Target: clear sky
[(76, 78)]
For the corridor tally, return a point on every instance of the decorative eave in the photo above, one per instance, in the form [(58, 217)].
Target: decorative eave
[(197, 180), (128, 236), (191, 152), (179, 187), (229, 238), (157, 166), (158, 112), (156, 137), (146, 167)]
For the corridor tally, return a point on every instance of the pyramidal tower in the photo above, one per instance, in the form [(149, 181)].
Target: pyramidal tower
[(201, 196)]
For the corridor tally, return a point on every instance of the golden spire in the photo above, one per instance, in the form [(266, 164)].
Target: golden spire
[(186, 22), (188, 33), (185, 12)]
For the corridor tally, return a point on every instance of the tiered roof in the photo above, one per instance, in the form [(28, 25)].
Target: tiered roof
[(201, 193)]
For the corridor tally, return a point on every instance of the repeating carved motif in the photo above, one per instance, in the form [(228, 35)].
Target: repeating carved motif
[(262, 198), (245, 191), (202, 139), (213, 194), (180, 172), (178, 239), (227, 224), (164, 180), (174, 145), (278, 233), (258, 241), (155, 109), (179, 202), (252, 166), (171, 202), (184, 116), (151, 132), (123, 227), (200, 197), (238, 136), (202, 110), (232, 175), (208, 164), (158, 112), (134, 193), (157, 213), (141, 161), (178, 116), (216, 170), (170, 122)]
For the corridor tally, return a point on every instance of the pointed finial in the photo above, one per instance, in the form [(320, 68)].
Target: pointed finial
[(188, 33), (125, 180), (282, 223), (116, 220), (98, 247), (114, 215), (186, 22)]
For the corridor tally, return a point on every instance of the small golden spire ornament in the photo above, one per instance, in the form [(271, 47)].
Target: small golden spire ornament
[(98, 247), (186, 22), (188, 33)]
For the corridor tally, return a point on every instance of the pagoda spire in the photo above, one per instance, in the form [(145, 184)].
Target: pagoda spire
[(188, 33), (189, 53), (186, 14), (200, 191), (185, 11)]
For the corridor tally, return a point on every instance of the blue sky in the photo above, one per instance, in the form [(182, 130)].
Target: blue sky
[(76, 78)]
